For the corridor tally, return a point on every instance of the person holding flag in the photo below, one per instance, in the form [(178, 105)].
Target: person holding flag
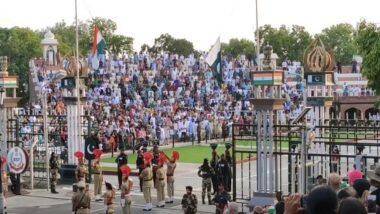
[(147, 177), (98, 175), (126, 189), (170, 168)]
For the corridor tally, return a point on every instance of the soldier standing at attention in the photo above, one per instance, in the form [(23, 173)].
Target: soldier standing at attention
[(98, 176), (81, 172), (81, 200), (160, 182), (147, 177), (54, 172), (126, 188), (205, 172), (214, 165), (109, 197), (189, 201), (121, 160), (140, 165), (171, 165)]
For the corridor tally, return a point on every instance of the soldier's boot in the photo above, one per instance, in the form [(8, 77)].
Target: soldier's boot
[(209, 198), (52, 187), (203, 199)]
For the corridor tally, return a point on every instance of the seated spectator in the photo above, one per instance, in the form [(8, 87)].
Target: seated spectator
[(346, 193), (280, 206), (350, 206), (374, 179), (361, 187), (321, 200), (334, 181)]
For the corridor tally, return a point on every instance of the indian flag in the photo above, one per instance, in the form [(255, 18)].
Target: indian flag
[(99, 44), (214, 59)]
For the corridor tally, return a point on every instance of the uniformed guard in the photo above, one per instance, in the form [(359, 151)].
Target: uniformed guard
[(224, 173), (126, 189), (156, 158), (81, 172), (140, 165), (81, 200), (147, 177), (53, 162), (214, 165), (109, 198), (160, 181), (221, 199), (189, 201), (121, 160), (171, 165), (227, 153), (205, 172), (98, 174)]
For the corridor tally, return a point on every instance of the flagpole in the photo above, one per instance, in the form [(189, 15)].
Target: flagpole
[(77, 70), (257, 35)]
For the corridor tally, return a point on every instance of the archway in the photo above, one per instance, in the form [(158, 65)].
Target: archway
[(352, 114)]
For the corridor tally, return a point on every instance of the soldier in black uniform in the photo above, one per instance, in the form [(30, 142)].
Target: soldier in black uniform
[(224, 173), (54, 172), (206, 172), (214, 166), (221, 199), (121, 160), (140, 165)]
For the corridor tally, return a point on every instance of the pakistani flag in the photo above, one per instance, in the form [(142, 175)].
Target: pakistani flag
[(99, 44), (214, 59)]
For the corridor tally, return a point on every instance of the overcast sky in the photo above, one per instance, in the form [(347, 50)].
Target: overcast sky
[(200, 21)]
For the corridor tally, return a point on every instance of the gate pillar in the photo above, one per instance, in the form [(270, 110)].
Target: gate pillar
[(267, 103)]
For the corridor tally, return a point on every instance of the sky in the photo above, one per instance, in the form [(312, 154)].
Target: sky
[(200, 21)]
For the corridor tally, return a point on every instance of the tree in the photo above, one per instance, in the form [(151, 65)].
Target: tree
[(106, 26), (368, 41), (119, 44), (20, 45), (236, 47), (286, 43), (165, 42), (65, 34), (340, 39)]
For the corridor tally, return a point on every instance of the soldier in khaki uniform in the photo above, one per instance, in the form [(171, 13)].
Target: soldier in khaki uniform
[(81, 200), (81, 172), (126, 188), (53, 162), (160, 183), (98, 175), (205, 172), (171, 165), (147, 177)]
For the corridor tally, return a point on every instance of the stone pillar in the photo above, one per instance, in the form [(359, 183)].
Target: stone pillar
[(74, 128)]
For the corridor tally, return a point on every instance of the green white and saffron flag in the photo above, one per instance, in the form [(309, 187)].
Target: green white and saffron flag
[(214, 59), (99, 44)]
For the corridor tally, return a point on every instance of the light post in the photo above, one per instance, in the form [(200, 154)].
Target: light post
[(1, 161)]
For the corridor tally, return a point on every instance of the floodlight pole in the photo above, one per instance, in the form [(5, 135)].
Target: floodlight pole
[(257, 36)]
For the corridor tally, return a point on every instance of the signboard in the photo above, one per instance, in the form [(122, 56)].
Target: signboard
[(17, 160), (68, 83), (318, 101), (316, 79), (91, 143)]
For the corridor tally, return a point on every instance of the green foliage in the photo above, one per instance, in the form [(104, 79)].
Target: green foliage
[(165, 42), (120, 43), (340, 39), (20, 45), (287, 43), (237, 47), (368, 41)]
